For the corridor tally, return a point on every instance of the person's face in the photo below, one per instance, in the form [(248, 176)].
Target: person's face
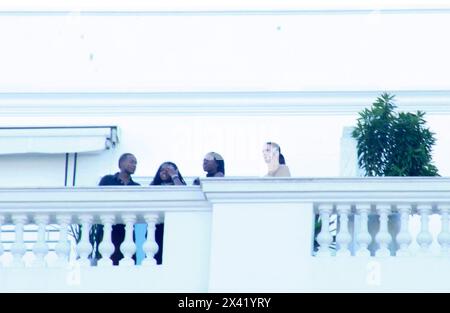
[(209, 164), (129, 164), (268, 153), (166, 172)]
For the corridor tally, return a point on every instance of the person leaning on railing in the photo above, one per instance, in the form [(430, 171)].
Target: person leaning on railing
[(127, 166), (213, 165), (166, 175)]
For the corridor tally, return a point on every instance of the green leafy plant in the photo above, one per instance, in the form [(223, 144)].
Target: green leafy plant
[(393, 144)]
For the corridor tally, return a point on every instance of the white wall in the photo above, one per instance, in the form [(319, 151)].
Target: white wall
[(357, 50), (311, 145), (216, 51)]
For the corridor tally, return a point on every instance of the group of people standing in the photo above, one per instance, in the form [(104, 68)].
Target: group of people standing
[(169, 174)]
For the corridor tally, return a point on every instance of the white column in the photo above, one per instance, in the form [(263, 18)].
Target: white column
[(40, 248), (84, 247), (404, 237), (150, 246), (343, 239), (18, 249), (62, 248), (106, 247), (324, 238), (349, 155), (363, 236), (2, 220), (444, 235), (424, 238), (383, 238), (128, 247)]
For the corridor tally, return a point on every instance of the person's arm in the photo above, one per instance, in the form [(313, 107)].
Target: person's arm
[(176, 180), (174, 175)]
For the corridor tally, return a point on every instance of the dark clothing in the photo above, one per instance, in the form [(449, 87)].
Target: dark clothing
[(118, 230), (159, 231), (196, 182), (114, 180)]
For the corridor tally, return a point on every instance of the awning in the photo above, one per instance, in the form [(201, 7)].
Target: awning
[(17, 140)]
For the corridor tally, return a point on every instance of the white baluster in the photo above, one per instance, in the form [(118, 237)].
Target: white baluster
[(150, 246), (128, 247), (444, 235), (424, 238), (2, 220), (363, 237), (404, 237), (84, 247), (62, 248), (40, 248), (383, 238), (343, 239), (106, 247), (18, 249), (324, 238)]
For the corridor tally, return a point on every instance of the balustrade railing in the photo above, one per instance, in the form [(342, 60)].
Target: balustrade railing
[(37, 224), (358, 217), (394, 229)]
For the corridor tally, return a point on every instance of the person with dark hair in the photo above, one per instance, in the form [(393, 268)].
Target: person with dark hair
[(127, 166), (213, 165), (166, 175), (276, 164)]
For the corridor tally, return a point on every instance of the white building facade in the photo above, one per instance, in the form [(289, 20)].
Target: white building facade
[(82, 84)]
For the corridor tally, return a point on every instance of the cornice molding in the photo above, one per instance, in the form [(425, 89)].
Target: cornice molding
[(215, 103)]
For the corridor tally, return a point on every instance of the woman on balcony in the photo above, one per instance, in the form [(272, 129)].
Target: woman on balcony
[(213, 165), (166, 175), (276, 164)]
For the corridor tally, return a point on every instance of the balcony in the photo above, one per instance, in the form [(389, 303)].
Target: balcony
[(236, 234)]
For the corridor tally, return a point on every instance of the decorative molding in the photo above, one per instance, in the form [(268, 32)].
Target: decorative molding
[(215, 103)]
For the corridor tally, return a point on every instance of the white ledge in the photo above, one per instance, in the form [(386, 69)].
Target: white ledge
[(98, 200), (392, 190), (215, 103), (138, 200)]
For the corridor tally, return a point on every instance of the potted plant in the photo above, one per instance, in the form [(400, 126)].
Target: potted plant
[(393, 144)]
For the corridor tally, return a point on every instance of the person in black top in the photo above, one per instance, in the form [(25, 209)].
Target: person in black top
[(127, 166), (213, 165)]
